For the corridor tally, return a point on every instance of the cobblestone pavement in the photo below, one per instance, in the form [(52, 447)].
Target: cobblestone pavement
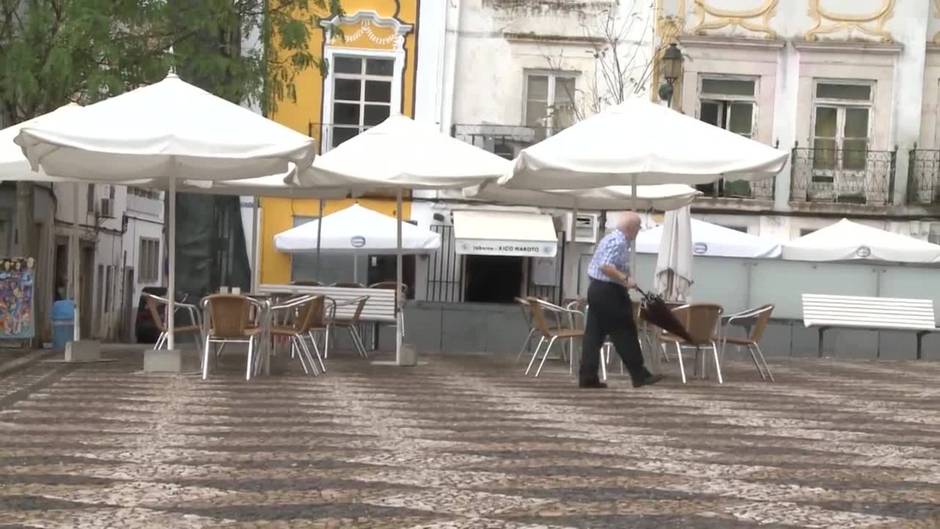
[(469, 443)]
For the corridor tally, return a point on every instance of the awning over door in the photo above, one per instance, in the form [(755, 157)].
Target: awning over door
[(506, 233)]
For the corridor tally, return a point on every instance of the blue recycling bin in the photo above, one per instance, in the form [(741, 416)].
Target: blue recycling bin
[(63, 323)]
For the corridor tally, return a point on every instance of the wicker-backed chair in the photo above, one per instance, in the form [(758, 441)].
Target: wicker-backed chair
[(158, 309), (304, 316), (701, 321), (229, 320), (549, 334)]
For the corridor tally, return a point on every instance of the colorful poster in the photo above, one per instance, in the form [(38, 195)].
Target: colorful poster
[(16, 298)]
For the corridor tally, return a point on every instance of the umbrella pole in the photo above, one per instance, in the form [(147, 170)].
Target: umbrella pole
[(254, 245), (398, 279), (171, 283), (319, 231), (633, 243), (76, 249)]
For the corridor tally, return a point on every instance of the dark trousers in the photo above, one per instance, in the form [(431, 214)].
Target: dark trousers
[(610, 313)]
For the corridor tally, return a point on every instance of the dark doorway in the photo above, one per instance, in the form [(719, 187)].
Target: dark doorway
[(493, 279), (382, 268)]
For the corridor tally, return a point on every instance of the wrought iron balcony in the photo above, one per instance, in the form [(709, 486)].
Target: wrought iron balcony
[(924, 176), (502, 140), (842, 176)]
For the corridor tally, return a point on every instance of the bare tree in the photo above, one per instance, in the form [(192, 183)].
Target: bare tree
[(621, 36)]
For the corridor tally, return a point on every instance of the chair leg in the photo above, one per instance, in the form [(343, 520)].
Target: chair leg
[(205, 359), (681, 366), (760, 369), (545, 356), (251, 343), (525, 344), (316, 350), (764, 361), (717, 362), (605, 358), (357, 341), (535, 355), (326, 342), (159, 343), (295, 351), (308, 355), (218, 352)]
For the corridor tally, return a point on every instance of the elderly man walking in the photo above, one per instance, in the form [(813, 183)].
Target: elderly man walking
[(610, 312)]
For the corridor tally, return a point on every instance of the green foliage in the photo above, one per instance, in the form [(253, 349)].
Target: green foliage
[(56, 51)]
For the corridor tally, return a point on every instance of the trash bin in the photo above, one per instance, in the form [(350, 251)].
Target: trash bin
[(63, 323)]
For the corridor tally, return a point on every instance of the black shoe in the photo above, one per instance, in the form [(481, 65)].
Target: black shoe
[(591, 384), (648, 380)]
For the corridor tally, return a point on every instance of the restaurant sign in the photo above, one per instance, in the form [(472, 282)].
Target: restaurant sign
[(507, 248)]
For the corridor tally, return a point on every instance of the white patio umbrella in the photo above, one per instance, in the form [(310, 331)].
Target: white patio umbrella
[(850, 241), (673, 276), (401, 154), (166, 132), (639, 142)]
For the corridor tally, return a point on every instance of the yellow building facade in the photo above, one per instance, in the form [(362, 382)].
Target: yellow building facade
[(371, 56)]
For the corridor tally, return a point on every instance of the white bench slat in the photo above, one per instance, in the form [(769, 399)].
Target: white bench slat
[(821, 310)]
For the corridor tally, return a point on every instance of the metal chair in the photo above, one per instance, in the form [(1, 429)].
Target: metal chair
[(158, 309), (308, 316), (228, 320), (351, 324), (549, 335), (701, 321), (756, 320)]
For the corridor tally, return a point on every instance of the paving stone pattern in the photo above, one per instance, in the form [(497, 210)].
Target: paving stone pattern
[(467, 442)]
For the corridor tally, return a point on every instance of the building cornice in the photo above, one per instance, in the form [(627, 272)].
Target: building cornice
[(830, 46)]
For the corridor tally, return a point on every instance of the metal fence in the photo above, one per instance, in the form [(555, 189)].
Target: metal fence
[(445, 269), (842, 175), (924, 173)]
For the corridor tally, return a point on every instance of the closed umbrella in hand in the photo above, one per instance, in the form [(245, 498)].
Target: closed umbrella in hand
[(657, 312)]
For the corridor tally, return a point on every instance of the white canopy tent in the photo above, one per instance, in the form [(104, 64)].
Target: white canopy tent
[(712, 240), (849, 241), (164, 133), (400, 154), (357, 230)]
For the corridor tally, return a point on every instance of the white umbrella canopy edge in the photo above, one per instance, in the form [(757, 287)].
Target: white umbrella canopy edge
[(713, 240), (643, 143), (167, 128), (848, 241), (401, 153), (663, 197)]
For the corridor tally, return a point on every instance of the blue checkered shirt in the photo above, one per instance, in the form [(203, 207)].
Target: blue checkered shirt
[(614, 250)]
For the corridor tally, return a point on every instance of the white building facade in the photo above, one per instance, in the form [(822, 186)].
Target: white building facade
[(849, 87)]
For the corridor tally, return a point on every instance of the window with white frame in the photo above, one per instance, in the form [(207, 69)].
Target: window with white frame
[(550, 100), (841, 128), (148, 260), (729, 103), (362, 94)]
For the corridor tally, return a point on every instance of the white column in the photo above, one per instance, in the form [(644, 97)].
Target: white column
[(171, 283)]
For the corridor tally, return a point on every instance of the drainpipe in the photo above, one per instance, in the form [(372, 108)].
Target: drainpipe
[(451, 45)]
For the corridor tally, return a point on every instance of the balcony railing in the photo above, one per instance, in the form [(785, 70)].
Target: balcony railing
[(842, 176), (502, 140), (924, 176)]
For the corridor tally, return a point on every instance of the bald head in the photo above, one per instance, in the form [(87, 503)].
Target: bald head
[(629, 223)]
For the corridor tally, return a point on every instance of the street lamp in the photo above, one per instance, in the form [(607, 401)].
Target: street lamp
[(671, 65)]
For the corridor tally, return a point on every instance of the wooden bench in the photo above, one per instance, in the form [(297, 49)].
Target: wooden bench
[(826, 311), (380, 307)]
